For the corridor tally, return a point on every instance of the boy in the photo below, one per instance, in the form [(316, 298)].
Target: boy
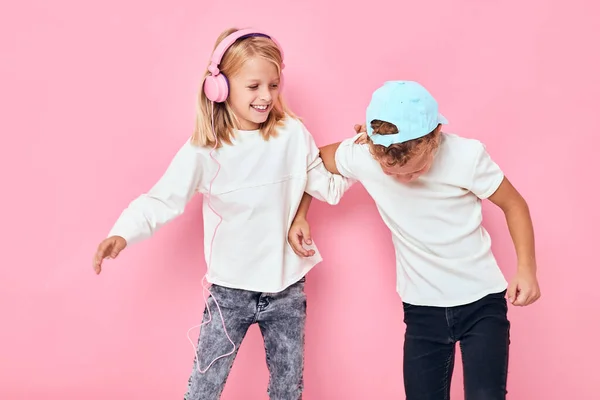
[(428, 187)]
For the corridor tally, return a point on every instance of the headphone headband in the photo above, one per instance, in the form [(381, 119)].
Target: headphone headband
[(219, 52)]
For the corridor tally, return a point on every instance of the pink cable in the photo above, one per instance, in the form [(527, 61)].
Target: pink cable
[(205, 289)]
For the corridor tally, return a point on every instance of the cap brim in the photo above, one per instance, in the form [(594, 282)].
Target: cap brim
[(442, 119)]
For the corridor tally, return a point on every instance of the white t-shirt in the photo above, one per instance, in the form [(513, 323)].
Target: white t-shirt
[(257, 192), (443, 253)]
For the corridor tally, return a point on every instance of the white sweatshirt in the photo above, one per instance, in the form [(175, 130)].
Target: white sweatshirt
[(257, 192)]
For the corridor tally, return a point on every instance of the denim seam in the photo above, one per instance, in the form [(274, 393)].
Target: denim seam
[(446, 380)]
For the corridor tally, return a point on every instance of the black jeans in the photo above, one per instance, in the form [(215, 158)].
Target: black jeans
[(483, 332)]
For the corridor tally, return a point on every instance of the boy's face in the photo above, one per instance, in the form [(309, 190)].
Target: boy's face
[(416, 166)]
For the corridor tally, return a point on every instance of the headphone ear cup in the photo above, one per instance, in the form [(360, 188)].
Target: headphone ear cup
[(216, 88)]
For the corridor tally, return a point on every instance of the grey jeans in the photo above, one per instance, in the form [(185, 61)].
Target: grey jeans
[(281, 318)]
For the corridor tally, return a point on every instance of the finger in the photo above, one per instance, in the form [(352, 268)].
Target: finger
[(296, 249), (299, 254), (533, 298), (357, 128), (512, 292), (297, 245), (97, 263), (306, 235), (100, 253), (522, 298), (301, 248), (302, 252), (118, 246), (104, 248), (103, 251), (308, 240)]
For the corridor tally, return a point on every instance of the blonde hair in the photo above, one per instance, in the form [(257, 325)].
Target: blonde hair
[(225, 120), (400, 153)]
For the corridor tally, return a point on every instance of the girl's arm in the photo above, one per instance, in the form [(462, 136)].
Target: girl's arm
[(321, 183), (325, 186), (166, 200)]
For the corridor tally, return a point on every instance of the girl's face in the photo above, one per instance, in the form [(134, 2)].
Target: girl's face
[(253, 92)]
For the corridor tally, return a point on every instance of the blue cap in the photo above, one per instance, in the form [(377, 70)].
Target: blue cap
[(406, 104)]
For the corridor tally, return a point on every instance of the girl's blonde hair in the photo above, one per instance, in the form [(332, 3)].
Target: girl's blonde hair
[(225, 120)]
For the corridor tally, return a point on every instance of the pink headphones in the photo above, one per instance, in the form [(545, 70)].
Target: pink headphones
[(216, 85)]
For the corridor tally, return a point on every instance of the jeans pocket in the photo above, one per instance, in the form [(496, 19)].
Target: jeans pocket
[(497, 299)]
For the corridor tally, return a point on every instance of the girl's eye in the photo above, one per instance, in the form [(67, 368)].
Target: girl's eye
[(253, 87), (275, 85)]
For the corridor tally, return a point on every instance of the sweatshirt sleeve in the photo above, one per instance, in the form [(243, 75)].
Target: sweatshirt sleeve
[(166, 200), (322, 184)]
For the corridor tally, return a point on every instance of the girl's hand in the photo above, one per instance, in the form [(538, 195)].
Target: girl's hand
[(362, 139), (300, 232), (110, 247), (360, 128)]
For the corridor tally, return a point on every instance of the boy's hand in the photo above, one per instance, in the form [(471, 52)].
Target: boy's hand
[(524, 289), (110, 247), (358, 128), (362, 139), (300, 232)]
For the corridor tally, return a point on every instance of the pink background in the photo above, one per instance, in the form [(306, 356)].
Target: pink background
[(96, 98)]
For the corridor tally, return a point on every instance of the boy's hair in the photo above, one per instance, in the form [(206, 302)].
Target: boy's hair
[(224, 118), (400, 153)]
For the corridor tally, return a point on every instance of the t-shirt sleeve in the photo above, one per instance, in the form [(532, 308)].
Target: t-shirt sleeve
[(347, 158), (487, 175)]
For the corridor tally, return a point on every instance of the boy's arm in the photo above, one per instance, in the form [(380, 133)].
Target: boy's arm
[(524, 288), (328, 156), (328, 152)]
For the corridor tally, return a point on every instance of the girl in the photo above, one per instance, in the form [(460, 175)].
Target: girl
[(254, 160)]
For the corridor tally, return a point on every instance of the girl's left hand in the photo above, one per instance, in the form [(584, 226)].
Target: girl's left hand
[(362, 139), (300, 232), (358, 128)]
